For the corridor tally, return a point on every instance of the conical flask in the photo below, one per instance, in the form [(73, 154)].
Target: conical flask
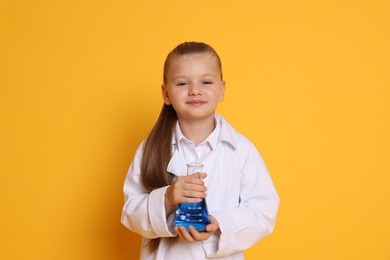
[(193, 214)]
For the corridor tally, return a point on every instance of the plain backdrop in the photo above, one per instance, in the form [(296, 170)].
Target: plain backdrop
[(306, 81)]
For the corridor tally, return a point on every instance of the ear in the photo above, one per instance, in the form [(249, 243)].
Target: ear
[(222, 94), (165, 95)]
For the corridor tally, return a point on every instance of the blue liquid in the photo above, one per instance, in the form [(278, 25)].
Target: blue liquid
[(192, 214)]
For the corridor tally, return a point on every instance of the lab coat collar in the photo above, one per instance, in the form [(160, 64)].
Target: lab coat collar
[(227, 133), (211, 140)]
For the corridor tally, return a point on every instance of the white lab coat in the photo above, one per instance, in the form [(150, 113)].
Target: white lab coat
[(240, 195)]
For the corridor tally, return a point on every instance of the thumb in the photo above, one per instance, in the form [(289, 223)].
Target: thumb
[(199, 175)]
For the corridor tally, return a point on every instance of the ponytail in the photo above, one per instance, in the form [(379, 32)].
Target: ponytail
[(158, 151), (156, 156)]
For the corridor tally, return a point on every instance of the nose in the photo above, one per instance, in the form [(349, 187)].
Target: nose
[(194, 90)]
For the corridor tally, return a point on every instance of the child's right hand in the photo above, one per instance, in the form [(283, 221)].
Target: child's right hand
[(194, 235), (185, 189)]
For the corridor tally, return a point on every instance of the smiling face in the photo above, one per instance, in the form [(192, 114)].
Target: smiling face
[(194, 86)]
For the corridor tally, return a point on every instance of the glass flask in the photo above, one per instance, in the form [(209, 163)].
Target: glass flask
[(193, 214)]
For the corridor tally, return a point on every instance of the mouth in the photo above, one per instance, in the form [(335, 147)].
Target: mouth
[(196, 102)]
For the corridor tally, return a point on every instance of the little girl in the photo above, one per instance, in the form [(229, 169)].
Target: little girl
[(241, 198)]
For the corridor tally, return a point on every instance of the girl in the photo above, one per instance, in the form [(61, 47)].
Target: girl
[(240, 195)]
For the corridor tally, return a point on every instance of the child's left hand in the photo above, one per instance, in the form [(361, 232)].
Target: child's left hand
[(194, 235)]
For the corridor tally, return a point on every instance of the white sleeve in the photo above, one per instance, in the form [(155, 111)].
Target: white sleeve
[(143, 211), (255, 216)]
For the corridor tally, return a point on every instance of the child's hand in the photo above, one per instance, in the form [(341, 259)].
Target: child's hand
[(195, 235), (185, 189)]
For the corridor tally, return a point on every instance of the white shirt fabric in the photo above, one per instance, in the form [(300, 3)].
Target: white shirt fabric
[(240, 195)]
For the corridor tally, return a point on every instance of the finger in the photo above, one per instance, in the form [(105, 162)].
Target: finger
[(179, 232), (185, 235), (177, 196), (189, 185), (196, 185), (195, 234), (211, 227), (199, 236), (198, 176), (181, 181), (190, 200), (192, 191)]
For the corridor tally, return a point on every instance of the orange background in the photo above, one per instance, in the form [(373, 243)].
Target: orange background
[(307, 83)]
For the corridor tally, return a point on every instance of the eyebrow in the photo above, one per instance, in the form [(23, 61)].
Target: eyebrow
[(203, 75)]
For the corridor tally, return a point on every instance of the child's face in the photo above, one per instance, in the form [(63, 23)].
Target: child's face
[(194, 86)]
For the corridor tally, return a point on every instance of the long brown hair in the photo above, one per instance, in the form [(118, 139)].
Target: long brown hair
[(158, 146)]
